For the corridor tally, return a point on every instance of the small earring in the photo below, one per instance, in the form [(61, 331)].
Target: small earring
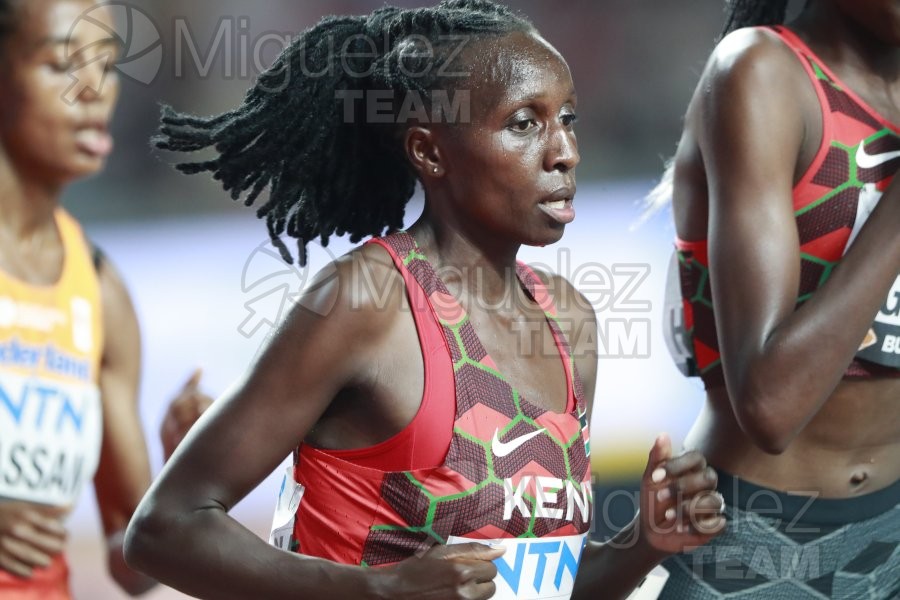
[(435, 170)]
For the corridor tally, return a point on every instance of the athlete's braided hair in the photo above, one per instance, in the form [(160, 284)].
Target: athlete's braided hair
[(748, 13), (330, 174)]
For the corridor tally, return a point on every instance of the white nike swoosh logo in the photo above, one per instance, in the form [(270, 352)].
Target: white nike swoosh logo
[(502, 449), (869, 161)]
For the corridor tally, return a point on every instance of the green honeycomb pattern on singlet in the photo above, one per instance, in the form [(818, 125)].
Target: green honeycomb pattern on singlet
[(466, 494), (835, 211)]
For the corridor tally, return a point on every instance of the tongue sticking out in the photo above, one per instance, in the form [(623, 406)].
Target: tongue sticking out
[(94, 142)]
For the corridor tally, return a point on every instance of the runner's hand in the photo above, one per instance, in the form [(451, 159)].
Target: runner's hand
[(30, 536), (183, 412), (457, 572), (680, 506)]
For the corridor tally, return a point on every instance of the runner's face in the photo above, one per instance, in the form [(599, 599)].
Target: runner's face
[(59, 90), (511, 169)]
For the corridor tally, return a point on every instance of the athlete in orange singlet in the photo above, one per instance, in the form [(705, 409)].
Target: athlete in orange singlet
[(69, 340)]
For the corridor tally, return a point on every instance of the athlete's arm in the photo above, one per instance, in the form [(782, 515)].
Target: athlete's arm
[(781, 365), (687, 515), (182, 534), (614, 569), (123, 474)]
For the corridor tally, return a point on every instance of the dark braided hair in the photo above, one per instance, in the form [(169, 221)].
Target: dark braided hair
[(327, 174), (747, 13)]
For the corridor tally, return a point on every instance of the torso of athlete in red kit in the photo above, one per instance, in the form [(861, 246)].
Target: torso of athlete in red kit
[(477, 460), (851, 445)]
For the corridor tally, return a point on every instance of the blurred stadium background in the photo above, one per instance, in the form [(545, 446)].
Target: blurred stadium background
[(208, 290)]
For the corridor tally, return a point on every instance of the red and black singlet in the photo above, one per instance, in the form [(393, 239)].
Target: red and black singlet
[(508, 469), (857, 159)]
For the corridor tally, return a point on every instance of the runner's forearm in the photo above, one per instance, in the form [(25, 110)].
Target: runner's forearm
[(613, 569)]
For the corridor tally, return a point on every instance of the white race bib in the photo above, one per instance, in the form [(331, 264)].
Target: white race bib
[(50, 437), (535, 569), (678, 339), (882, 342), (652, 586), (285, 511)]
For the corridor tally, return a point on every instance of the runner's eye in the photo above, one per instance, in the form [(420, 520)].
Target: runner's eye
[(523, 125)]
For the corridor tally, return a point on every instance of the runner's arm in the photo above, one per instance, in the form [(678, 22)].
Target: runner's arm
[(780, 364)]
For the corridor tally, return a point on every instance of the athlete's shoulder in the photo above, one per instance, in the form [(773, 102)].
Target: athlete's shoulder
[(753, 85), (361, 290), (570, 303), (577, 319), (757, 55), (373, 280), (116, 298)]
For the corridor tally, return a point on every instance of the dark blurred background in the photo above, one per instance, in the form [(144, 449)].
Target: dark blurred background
[(635, 63)]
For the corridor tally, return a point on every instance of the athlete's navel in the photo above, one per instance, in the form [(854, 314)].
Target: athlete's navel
[(858, 478)]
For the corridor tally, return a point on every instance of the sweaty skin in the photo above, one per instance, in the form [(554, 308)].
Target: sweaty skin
[(345, 369)]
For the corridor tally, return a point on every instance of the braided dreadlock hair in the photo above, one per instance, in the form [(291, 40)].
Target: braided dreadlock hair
[(747, 13), (327, 174)]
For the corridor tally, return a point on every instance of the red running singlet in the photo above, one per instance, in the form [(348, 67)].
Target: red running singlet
[(510, 470), (857, 159)]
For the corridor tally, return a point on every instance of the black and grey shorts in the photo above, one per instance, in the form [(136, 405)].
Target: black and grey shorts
[(780, 546)]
